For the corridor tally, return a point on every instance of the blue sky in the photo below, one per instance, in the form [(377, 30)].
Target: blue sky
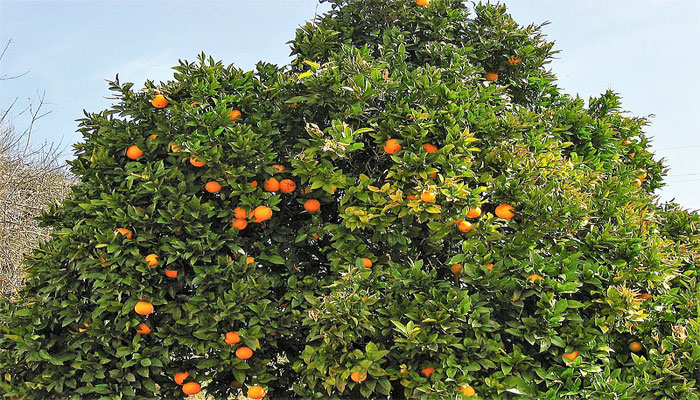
[(645, 49)]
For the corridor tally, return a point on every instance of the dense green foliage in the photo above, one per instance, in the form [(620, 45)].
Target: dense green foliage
[(366, 72)]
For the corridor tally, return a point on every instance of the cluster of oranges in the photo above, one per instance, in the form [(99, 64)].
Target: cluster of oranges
[(241, 218)]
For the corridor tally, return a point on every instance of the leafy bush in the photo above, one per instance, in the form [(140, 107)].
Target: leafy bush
[(363, 298)]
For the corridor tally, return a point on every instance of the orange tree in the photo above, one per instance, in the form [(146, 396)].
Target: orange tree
[(410, 209)]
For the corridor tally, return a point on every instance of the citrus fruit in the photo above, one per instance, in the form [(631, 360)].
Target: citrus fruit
[(125, 232), (133, 152), (358, 376), (367, 262), (505, 211), (467, 391), (171, 273), (256, 392), (534, 277), (232, 338), (261, 213), (278, 167), (635, 347), (427, 371), (312, 205), (234, 115), (392, 146), (271, 185), (429, 148), (491, 76), (197, 163), (287, 186), (212, 186), (474, 212), (180, 377), (159, 101), (143, 329), (191, 388), (456, 268), (175, 148), (571, 356), (152, 260), (423, 3), (143, 308), (464, 226), (240, 213), (244, 353), (239, 223), (427, 197)]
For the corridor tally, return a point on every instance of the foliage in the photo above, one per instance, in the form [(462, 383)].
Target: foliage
[(307, 306)]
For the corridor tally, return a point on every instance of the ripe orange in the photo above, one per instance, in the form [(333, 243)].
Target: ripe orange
[(632, 155), (197, 163), (644, 296), (637, 182), (239, 224), (261, 213), (427, 371), (125, 232), (212, 186), (367, 262), (279, 167), (491, 76), (272, 185), (571, 356), (180, 377), (474, 212), (253, 184), (153, 137), (489, 266), (467, 391), (234, 115), (505, 211), (433, 175), (175, 148), (636, 347), (159, 101), (430, 148), (464, 226), (171, 273), (287, 186), (249, 260), (312, 205), (244, 353), (456, 268), (642, 174), (392, 146), (102, 260), (358, 376), (143, 329), (427, 197), (256, 392), (240, 213), (152, 260), (423, 3), (232, 338), (411, 197), (315, 235), (534, 277), (133, 152), (191, 388), (143, 308), (514, 61)]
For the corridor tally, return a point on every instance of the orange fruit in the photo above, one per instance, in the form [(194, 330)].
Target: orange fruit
[(358, 376), (625, 142), (392, 146), (152, 260), (244, 353), (272, 185), (464, 226), (125, 232), (197, 163), (240, 213), (153, 137), (644, 296), (249, 260), (261, 213), (474, 212), (367, 262), (489, 266), (175, 148), (212, 186), (133, 152), (159, 101), (637, 182), (423, 3), (143, 308), (180, 377), (491, 76), (411, 197), (534, 277), (467, 391), (315, 235), (143, 329), (191, 388), (427, 197), (232, 338), (427, 371), (234, 115), (632, 155), (194, 103), (171, 273), (571, 356), (280, 168), (312, 205), (514, 61), (430, 148), (636, 347), (287, 186), (254, 184), (456, 268), (239, 224), (643, 174), (102, 260), (505, 211), (256, 392)]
